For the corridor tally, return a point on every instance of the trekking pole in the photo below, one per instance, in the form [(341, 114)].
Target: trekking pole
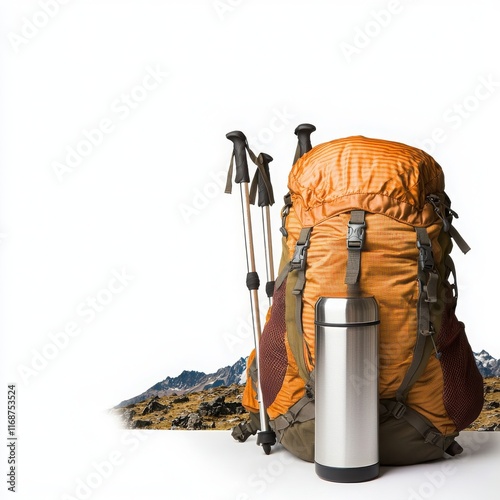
[(303, 133), (265, 436), (266, 199)]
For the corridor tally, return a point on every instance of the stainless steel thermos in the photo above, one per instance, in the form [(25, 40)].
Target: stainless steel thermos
[(346, 394)]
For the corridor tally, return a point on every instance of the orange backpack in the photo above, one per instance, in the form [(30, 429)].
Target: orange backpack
[(373, 215)]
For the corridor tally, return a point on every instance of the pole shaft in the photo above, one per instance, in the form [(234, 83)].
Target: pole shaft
[(269, 244), (254, 299), (248, 225)]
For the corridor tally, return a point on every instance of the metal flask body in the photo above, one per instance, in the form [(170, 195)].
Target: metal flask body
[(346, 394)]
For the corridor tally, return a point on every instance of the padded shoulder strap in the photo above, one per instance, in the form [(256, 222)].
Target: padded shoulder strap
[(428, 280)]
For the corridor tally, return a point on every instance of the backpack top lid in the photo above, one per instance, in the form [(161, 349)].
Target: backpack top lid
[(374, 175)]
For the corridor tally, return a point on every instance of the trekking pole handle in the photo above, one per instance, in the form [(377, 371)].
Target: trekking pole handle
[(264, 200), (303, 133), (240, 155)]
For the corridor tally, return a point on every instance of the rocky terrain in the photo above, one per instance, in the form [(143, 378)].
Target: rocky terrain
[(220, 408), (489, 419), (217, 408), (196, 400)]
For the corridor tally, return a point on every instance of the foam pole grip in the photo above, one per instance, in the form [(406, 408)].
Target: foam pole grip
[(239, 147), (264, 198), (303, 133)]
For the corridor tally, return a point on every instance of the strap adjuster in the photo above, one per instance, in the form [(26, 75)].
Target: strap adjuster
[(243, 431), (398, 410), (433, 437), (425, 257), (355, 235), (298, 261), (299, 256)]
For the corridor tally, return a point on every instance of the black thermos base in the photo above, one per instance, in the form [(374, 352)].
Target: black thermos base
[(347, 474)]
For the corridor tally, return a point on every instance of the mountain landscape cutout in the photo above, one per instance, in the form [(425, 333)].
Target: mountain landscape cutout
[(487, 364), (196, 400), (193, 381)]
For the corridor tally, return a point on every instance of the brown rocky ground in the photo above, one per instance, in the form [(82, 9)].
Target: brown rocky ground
[(489, 419), (220, 408)]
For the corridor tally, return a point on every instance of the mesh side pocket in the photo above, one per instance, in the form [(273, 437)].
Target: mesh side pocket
[(463, 384), (273, 359)]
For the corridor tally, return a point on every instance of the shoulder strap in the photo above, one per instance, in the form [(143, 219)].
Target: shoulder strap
[(428, 280), (294, 275)]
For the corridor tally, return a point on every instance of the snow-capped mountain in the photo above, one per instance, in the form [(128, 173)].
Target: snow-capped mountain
[(487, 364), (193, 381)]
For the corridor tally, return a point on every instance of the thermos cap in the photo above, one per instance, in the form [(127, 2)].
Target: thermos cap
[(346, 311)]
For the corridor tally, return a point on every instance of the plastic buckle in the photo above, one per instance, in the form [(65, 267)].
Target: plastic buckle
[(299, 256), (426, 259), (399, 410), (241, 432), (436, 202), (432, 437), (284, 214), (355, 235)]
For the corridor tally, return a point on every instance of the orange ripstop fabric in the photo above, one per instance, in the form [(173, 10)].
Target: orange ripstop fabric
[(375, 175), (425, 361), (383, 178)]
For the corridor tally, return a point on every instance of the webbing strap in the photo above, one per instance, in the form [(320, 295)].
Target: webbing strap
[(442, 207), (299, 258), (428, 280), (281, 277), (260, 173), (421, 354), (302, 411), (243, 431), (294, 272), (355, 241), (298, 263), (300, 253), (427, 275), (430, 434), (457, 238), (229, 179), (284, 213)]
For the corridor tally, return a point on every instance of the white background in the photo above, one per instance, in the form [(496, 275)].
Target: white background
[(146, 199)]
